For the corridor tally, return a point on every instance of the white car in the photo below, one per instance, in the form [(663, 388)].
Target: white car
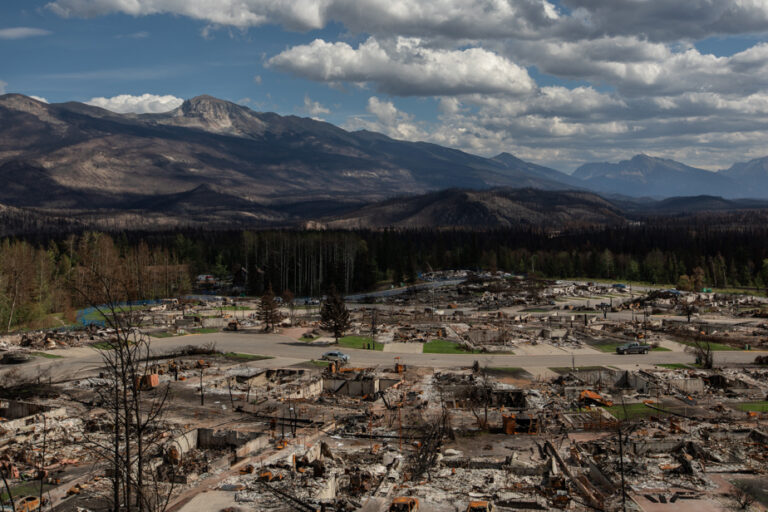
[(335, 355)]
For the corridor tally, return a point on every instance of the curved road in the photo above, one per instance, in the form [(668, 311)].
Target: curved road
[(81, 362)]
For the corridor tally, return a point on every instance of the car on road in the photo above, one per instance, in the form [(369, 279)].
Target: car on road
[(335, 355), (633, 348)]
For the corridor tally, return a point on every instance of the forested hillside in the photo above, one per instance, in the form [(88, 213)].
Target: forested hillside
[(42, 276)]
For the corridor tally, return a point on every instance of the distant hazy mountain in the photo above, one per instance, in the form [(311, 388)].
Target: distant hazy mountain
[(511, 162), (752, 175), (485, 209), (656, 177), (693, 205), (214, 163), (77, 156)]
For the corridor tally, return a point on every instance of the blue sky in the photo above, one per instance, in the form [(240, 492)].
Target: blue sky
[(557, 83)]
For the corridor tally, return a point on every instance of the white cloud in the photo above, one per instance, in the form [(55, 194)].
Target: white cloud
[(22, 32), (660, 20), (641, 83), (454, 18), (405, 67), (314, 108), (3, 85), (294, 14), (665, 20), (387, 119), (39, 98), (565, 127), (638, 68), (144, 104)]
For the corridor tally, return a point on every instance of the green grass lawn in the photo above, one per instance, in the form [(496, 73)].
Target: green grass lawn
[(605, 347), (632, 411), (446, 347), (740, 291), (31, 488), (46, 355), (310, 338), (509, 371), (162, 334), (97, 316), (675, 366), (51, 321), (246, 357), (535, 310), (321, 364), (360, 342), (752, 406)]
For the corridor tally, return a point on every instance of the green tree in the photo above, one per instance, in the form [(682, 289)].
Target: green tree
[(764, 275), (684, 283), (606, 264), (334, 315), (698, 279), (654, 266)]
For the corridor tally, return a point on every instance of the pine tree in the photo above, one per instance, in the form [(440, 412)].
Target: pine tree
[(334, 315), (268, 311)]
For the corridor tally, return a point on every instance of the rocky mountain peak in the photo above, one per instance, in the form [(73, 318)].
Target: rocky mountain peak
[(210, 108), (507, 159), (22, 103), (215, 115)]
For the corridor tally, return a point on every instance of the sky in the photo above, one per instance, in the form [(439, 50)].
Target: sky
[(559, 83)]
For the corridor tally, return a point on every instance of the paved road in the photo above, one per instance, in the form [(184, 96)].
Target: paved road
[(81, 362), (405, 289)]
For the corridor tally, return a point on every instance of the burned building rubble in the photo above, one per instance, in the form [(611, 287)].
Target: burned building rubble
[(242, 432)]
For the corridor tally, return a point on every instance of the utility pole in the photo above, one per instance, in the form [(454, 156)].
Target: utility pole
[(400, 421), (202, 390), (621, 457), (621, 470), (373, 328), (370, 426)]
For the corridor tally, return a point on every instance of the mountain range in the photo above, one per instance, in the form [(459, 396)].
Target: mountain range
[(215, 162)]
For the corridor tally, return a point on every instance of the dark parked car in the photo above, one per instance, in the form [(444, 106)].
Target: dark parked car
[(633, 348)]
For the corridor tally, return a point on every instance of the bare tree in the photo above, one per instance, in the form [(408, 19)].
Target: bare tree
[(134, 405), (268, 311), (5, 472), (288, 300), (479, 396), (705, 355)]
